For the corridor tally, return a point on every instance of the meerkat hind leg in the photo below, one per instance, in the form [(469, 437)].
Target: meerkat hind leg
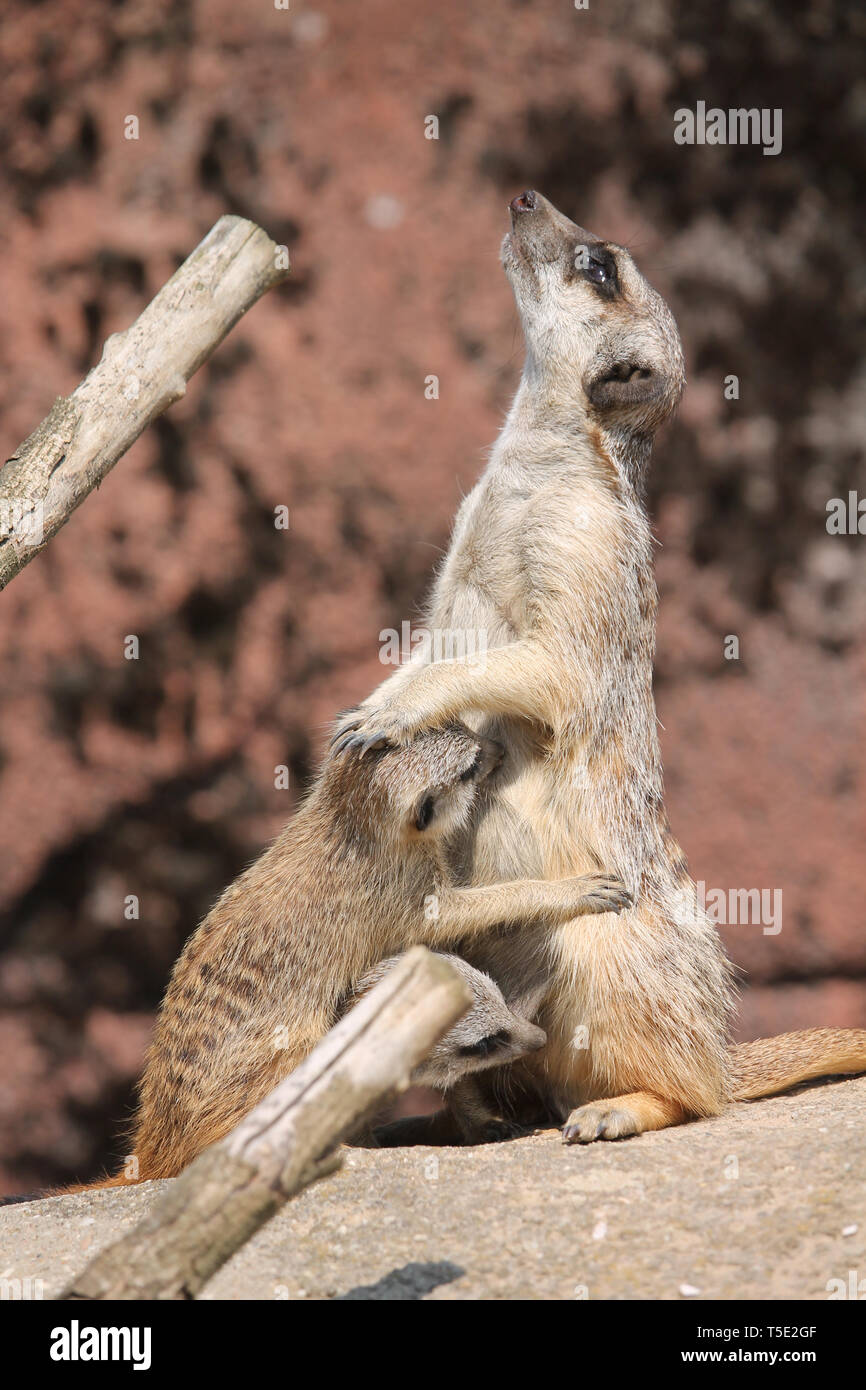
[(476, 1120), (621, 1116)]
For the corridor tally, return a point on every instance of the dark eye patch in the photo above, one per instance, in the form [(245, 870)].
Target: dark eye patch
[(487, 1045), (600, 270)]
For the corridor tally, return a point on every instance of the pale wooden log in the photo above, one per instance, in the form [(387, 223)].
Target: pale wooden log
[(142, 371), (286, 1142)]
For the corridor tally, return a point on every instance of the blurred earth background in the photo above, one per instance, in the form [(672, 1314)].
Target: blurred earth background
[(156, 777)]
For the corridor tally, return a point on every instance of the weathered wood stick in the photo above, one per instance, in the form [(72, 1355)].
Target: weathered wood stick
[(143, 371), (286, 1142)]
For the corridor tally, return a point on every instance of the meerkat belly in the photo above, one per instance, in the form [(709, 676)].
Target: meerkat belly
[(625, 990)]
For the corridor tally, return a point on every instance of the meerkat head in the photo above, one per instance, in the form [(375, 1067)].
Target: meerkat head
[(425, 790), (491, 1034), (597, 334)]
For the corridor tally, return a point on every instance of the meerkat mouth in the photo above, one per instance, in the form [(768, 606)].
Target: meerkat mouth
[(510, 252)]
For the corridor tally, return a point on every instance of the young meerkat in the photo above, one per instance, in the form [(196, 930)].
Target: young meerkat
[(551, 560), (358, 874), (492, 1034)]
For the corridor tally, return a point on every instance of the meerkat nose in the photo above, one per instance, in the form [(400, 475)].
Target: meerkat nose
[(524, 202)]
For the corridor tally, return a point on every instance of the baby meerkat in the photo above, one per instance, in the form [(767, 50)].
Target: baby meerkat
[(360, 873), (492, 1034)]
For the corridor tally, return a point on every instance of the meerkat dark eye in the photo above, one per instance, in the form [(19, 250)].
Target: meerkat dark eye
[(601, 271), (484, 1046), (424, 814)]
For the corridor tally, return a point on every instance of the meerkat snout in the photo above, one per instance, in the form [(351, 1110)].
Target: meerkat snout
[(506, 1043)]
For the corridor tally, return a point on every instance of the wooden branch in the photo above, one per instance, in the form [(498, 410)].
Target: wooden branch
[(143, 371), (286, 1142)]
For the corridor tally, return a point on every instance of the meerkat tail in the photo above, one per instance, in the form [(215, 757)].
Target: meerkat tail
[(117, 1180), (770, 1065)]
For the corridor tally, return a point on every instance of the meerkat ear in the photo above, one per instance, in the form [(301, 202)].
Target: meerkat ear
[(626, 384)]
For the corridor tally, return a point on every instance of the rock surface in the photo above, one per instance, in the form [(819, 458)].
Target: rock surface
[(767, 1201)]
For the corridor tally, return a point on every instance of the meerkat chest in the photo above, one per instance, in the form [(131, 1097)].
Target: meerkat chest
[(562, 553), (485, 585)]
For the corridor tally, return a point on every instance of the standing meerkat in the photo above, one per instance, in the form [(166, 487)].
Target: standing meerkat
[(358, 874), (551, 559)]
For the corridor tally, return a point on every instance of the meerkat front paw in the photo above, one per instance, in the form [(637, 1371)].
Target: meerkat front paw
[(375, 726), (601, 893), (599, 1121)]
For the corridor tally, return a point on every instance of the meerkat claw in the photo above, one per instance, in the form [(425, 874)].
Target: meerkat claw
[(363, 743), (374, 740), (342, 733)]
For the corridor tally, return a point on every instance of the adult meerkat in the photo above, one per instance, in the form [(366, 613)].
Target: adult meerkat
[(551, 558), (359, 873)]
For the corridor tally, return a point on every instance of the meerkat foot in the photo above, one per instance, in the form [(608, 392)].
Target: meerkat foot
[(621, 1117), (592, 1122)]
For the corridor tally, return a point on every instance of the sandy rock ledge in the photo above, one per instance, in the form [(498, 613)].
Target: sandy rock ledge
[(767, 1201)]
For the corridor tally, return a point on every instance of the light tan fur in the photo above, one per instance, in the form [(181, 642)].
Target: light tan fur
[(551, 563), (360, 873)]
